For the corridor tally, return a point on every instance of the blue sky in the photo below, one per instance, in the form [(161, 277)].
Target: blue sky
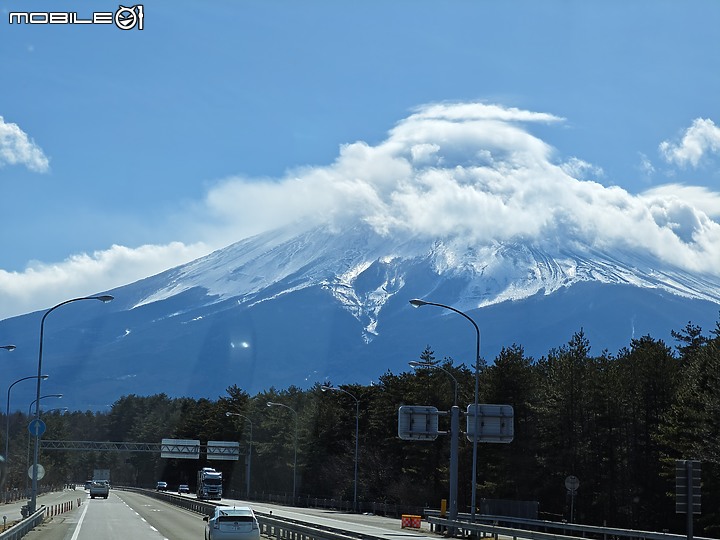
[(124, 153)]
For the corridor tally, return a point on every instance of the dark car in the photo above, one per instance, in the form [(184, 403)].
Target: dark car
[(183, 488), (161, 486)]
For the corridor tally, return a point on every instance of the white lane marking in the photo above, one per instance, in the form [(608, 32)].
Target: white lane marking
[(153, 528), (79, 524)]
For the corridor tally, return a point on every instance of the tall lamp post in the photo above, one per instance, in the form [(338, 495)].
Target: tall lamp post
[(454, 440), (249, 456), (417, 303), (7, 412), (357, 425), (273, 404), (7, 348), (32, 505)]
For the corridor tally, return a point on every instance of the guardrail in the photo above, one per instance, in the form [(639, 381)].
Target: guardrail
[(306, 501), (199, 507), (282, 529), (542, 530), (25, 526)]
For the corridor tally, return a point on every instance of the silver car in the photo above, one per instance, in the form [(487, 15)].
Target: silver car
[(232, 523)]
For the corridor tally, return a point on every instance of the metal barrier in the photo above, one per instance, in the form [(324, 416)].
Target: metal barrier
[(61, 508), (25, 526), (282, 529), (542, 530), (199, 507)]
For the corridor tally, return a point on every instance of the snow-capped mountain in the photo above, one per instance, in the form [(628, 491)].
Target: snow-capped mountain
[(298, 306)]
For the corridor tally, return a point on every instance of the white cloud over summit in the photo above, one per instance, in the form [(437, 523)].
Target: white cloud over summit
[(476, 171), (469, 171)]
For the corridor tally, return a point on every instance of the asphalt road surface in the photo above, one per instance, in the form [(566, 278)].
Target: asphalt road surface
[(122, 516), (126, 515)]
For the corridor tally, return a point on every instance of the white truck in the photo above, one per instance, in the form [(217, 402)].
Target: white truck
[(101, 475), (209, 484)]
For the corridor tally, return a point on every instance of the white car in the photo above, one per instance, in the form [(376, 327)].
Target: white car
[(232, 523)]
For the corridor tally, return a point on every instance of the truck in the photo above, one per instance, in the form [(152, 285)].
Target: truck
[(101, 474), (209, 484)]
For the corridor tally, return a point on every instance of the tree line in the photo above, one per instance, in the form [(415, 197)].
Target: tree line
[(617, 422)]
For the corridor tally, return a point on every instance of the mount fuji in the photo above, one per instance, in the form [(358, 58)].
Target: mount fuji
[(460, 205), (300, 305)]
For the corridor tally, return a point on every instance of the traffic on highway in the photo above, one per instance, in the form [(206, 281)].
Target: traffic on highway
[(131, 514)]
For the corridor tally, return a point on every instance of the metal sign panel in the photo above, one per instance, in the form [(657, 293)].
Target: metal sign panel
[(687, 482), (495, 423), (223, 450), (417, 423), (180, 448)]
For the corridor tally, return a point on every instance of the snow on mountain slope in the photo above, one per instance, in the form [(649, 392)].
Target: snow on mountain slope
[(295, 307), (362, 270)]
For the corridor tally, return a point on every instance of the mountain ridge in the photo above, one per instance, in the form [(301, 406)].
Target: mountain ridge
[(295, 307), (491, 279)]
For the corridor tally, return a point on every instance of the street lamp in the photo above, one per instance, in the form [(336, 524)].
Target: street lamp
[(43, 397), (7, 412), (32, 506), (417, 303), (357, 424), (454, 440), (273, 404), (249, 456)]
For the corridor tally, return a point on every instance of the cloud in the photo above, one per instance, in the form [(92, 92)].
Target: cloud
[(645, 166), (470, 172), (476, 172), (699, 139), (698, 197), (582, 170), (42, 285), (16, 148)]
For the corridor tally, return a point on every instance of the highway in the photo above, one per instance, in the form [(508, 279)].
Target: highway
[(121, 516), (131, 515)]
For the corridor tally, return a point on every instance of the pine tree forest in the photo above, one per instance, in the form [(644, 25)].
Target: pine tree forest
[(617, 422)]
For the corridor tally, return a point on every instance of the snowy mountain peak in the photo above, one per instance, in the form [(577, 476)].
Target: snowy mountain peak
[(303, 305), (363, 270)]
